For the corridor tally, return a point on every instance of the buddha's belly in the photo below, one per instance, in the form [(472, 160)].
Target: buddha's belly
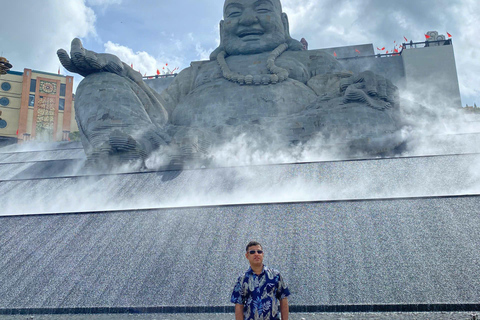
[(222, 102)]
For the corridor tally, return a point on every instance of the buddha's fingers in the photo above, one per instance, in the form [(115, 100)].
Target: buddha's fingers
[(77, 52), (66, 61)]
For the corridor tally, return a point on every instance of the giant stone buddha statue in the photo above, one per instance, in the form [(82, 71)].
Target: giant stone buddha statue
[(259, 80)]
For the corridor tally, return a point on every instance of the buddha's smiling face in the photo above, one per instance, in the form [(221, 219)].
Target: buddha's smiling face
[(252, 26)]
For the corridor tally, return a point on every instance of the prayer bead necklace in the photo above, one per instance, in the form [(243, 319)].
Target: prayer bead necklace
[(277, 74)]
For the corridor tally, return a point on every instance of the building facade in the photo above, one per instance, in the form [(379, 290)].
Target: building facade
[(36, 105)]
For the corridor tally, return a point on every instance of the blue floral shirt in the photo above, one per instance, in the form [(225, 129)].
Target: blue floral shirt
[(260, 295)]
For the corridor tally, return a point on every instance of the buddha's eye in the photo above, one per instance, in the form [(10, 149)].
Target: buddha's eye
[(263, 8), (234, 14)]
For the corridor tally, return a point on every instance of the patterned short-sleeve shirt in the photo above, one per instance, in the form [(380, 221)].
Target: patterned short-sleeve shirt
[(260, 295)]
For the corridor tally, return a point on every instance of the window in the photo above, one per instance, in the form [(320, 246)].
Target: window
[(4, 101), (33, 85), (61, 104), (6, 86), (63, 87), (31, 100)]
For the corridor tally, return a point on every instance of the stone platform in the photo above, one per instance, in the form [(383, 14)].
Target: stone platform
[(385, 235)]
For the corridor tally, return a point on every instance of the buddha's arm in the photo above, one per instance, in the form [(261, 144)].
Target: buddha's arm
[(159, 107), (329, 80), (325, 75)]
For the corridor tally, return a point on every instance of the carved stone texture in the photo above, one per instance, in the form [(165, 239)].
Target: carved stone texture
[(259, 80)]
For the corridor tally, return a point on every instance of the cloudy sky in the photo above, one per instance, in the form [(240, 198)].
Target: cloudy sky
[(152, 33)]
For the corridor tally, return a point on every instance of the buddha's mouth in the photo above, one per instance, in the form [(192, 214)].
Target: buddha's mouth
[(247, 33)]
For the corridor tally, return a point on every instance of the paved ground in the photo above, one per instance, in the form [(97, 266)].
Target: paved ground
[(295, 316)]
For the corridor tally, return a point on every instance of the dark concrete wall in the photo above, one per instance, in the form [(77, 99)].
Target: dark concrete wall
[(431, 75)]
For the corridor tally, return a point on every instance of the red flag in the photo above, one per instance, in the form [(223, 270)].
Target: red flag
[(394, 41), (158, 72), (427, 36), (449, 35), (58, 70), (396, 50), (387, 51), (17, 132), (383, 48), (166, 64), (406, 40), (131, 65), (334, 54), (357, 51)]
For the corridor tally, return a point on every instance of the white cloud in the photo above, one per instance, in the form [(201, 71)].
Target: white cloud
[(331, 23), (202, 53), (141, 60), (465, 15), (45, 27), (103, 2)]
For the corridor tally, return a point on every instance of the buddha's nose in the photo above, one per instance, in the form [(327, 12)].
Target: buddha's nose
[(249, 17)]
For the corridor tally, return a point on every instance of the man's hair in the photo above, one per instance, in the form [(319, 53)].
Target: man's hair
[(253, 243)]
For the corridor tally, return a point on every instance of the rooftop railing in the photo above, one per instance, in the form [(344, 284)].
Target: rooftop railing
[(405, 46), (160, 76)]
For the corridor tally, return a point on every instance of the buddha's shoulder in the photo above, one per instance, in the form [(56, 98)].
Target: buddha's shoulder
[(312, 56), (318, 60), (196, 68)]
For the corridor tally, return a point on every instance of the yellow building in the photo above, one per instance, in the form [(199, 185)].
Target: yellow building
[(36, 105)]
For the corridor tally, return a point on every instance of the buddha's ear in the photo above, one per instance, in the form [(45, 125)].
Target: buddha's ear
[(286, 26), (293, 45), (214, 54)]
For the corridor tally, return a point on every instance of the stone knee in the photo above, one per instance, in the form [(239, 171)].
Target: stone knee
[(109, 109)]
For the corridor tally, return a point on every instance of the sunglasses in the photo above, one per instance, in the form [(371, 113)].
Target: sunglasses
[(257, 251)]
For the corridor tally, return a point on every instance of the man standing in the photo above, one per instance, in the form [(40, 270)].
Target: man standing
[(259, 292)]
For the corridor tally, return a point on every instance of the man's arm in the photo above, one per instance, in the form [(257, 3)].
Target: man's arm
[(239, 311), (283, 309)]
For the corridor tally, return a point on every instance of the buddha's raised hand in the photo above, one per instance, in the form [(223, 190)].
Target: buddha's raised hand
[(85, 62)]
